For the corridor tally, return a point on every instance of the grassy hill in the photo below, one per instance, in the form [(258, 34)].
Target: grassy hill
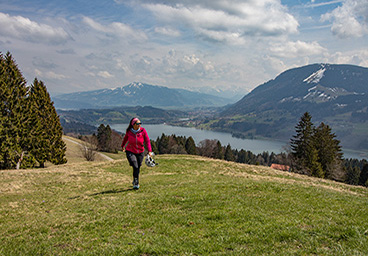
[(187, 205)]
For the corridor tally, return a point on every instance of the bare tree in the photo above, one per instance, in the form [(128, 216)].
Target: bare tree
[(207, 147), (89, 147)]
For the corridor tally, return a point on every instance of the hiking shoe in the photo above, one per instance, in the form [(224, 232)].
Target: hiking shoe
[(135, 183)]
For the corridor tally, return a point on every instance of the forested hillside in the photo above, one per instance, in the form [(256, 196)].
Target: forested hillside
[(334, 94)]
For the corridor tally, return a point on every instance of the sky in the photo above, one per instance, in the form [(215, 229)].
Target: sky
[(83, 45)]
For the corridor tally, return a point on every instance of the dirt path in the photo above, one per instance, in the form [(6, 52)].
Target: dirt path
[(100, 154)]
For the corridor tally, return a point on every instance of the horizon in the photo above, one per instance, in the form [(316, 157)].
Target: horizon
[(92, 45)]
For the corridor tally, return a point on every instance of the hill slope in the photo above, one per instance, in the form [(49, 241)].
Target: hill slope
[(187, 205), (334, 94), (137, 94)]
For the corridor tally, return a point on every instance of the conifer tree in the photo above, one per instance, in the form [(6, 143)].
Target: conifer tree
[(301, 141), (302, 147), (312, 164), (163, 144), (58, 146), (241, 156), (13, 113), (329, 152), (46, 131), (363, 179), (190, 146), (353, 174), (104, 138), (153, 146), (218, 151), (229, 155)]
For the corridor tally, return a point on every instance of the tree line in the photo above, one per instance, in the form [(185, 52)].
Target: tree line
[(314, 151), (172, 144), (30, 130)]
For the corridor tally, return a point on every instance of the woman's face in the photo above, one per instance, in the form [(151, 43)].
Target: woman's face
[(137, 124)]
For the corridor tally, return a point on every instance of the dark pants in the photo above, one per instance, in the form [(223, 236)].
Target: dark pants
[(135, 160)]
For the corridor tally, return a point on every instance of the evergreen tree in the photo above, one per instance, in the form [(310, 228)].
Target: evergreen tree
[(353, 174), (30, 129), (190, 146), (303, 148), (154, 146), (163, 144), (329, 152), (301, 142), (241, 156), (104, 138), (58, 146), (363, 179), (229, 155), (46, 142), (312, 164), (13, 113), (218, 152)]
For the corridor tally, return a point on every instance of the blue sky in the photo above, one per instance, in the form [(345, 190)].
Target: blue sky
[(85, 45)]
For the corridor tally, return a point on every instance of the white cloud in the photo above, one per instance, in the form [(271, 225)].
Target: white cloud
[(222, 36), (167, 31), (358, 57), (297, 49), (116, 29), (25, 29), (49, 75), (350, 19), (225, 20), (105, 74)]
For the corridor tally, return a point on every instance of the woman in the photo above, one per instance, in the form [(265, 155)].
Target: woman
[(133, 145)]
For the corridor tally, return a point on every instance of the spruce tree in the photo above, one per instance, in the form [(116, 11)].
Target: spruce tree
[(229, 155), (353, 174), (304, 132), (46, 131), (241, 156), (363, 179), (163, 144), (329, 152), (58, 146), (302, 147), (190, 146), (312, 164), (13, 113), (104, 138), (218, 154)]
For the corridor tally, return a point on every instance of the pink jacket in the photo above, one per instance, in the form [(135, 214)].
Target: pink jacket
[(136, 141)]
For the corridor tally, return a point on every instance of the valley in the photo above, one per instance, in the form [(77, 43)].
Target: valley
[(336, 95)]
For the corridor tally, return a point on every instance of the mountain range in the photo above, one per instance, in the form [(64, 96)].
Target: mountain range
[(138, 94), (334, 94)]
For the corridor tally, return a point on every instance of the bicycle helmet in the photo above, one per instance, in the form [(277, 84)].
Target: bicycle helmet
[(150, 162)]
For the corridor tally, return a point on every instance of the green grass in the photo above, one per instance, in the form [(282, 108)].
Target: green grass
[(186, 205)]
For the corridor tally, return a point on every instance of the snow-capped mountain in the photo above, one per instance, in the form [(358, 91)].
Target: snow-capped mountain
[(310, 88), (334, 94), (137, 94)]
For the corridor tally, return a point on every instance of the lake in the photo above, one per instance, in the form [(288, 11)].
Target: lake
[(254, 145)]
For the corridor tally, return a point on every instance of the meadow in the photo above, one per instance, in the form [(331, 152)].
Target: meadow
[(187, 205)]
